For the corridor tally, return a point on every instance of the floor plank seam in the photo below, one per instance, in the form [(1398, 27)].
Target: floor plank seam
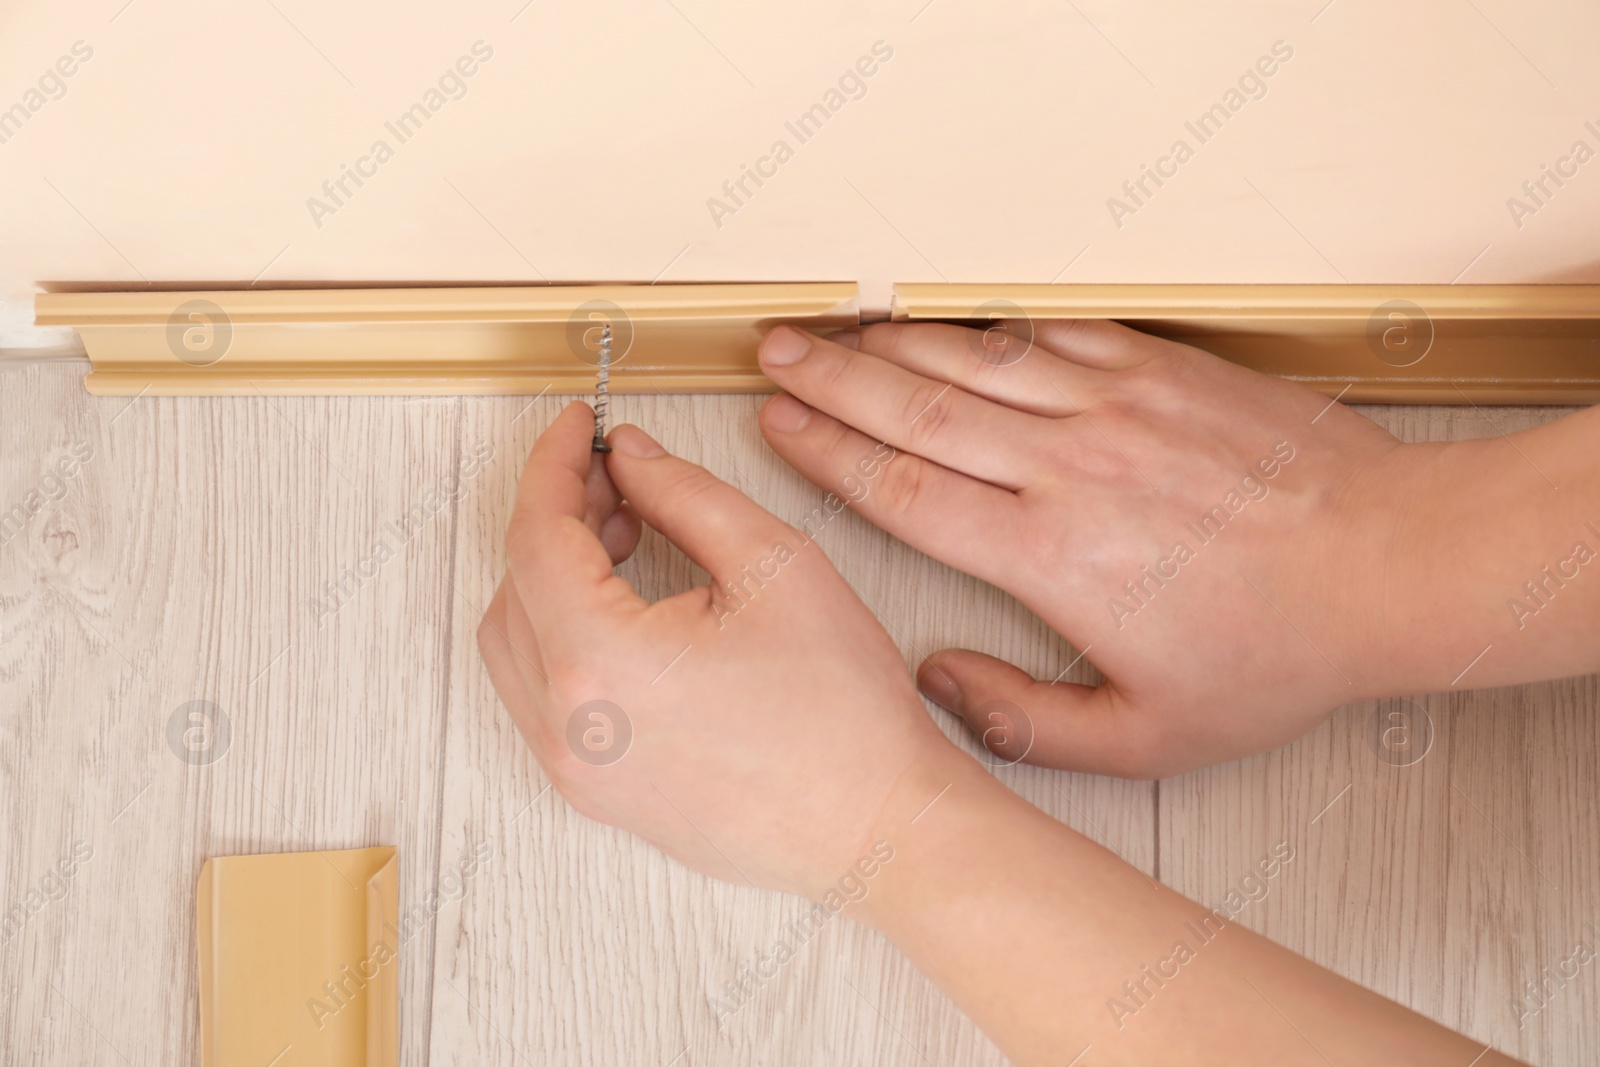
[(1155, 813), (440, 772)]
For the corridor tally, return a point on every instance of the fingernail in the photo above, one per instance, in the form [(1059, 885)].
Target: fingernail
[(632, 441), (847, 338), (939, 687), (784, 346), (785, 414)]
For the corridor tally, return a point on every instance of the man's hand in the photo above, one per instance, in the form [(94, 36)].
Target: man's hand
[(1219, 543), (754, 729)]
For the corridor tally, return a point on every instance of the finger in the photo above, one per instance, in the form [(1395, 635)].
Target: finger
[(602, 493), (562, 571), (1000, 364), (953, 518), (612, 521), (917, 414), (620, 533), (524, 642), (1070, 727), (1098, 343), (715, 525), (506, 665)]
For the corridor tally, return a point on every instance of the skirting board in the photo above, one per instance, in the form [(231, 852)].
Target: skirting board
[(671, 338), (1416, 344), (1428, 344)]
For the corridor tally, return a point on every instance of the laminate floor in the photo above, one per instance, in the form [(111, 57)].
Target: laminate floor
[(300, 564)]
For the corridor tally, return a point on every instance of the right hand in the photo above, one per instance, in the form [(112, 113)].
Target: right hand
[(772, 720)]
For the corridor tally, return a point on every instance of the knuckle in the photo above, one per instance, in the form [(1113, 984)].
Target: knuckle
[(1164, 383), (1112, 443), (1117, 412), (838, 366), (1120, 426), (895, 341), (1073, 330), (986, 373), (884, 337), (927, 411), (839, 438), (691, 486), (902, 487), (1071, 335)]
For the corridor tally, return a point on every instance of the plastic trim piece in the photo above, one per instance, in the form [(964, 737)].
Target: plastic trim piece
[(1419, 344), (668, 338), (1404, 344), (299, 959)]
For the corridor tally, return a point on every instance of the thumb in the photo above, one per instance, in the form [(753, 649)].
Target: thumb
[(1052, 724), (715, 525)]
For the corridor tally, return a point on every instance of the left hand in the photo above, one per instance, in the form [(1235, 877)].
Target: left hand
[(1070, 472)]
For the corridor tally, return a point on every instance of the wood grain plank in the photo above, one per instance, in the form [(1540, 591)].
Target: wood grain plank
[(577, 944), (180, 565), (1446, 882)]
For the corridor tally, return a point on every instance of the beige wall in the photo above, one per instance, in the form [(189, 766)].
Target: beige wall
[(587, 147)]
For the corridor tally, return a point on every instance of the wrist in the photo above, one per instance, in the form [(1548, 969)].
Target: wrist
[(943, 822), (1396, 564), (1021, 920), (1450, 535)]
